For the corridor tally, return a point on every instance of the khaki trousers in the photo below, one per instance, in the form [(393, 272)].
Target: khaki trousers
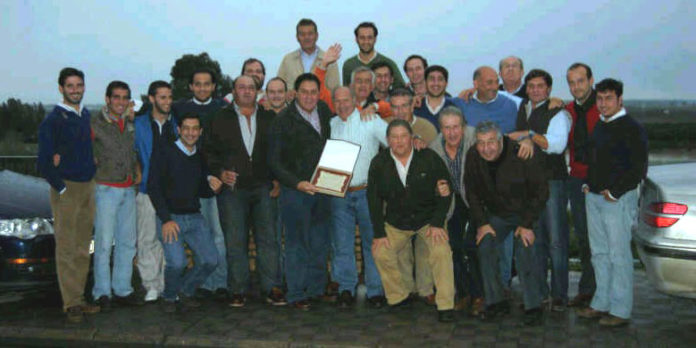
[(439, 260), (416, 256), (73, 222)]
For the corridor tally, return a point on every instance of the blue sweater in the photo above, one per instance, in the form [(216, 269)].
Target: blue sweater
[(143, 145), (67, 134), (502, 111), (423, 112)]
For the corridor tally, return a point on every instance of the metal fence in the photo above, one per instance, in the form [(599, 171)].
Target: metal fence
[(19, 164)]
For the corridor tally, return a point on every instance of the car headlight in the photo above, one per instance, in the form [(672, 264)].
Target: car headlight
[(25, 228)]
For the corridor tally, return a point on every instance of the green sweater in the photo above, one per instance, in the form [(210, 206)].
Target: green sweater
[(353, 62)]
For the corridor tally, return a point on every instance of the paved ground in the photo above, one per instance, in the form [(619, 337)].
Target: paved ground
[(34, 318)]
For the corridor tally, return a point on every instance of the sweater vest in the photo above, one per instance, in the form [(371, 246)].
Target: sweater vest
[(538, 122)]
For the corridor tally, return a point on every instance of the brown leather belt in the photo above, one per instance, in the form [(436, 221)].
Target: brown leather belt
[(356, 188)]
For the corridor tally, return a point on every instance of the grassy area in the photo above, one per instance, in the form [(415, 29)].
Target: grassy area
[(12, 144)]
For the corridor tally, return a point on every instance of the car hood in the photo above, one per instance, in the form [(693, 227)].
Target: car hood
[(23, 196), (675, 178)]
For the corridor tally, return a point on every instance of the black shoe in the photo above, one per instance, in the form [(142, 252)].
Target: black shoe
[(276, 297), (302, 305), (345, 301), (376, 301), (237, 301), (446, 316), (130, 300), (533, 317), (168, 306), (405, 303), (558, 305), (104, 302), (188, 302), (495, 310), (74, 314)]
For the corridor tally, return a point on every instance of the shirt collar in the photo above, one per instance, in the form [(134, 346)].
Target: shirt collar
[(197, 102), (238, 111), (436, 108), (538, 105), (483, 102), (396, 160), (369, 60), (70, 108), (304, 113), (182, 147), (617, 115), (309, 55)]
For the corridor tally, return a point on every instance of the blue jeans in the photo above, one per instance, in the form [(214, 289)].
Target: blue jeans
[(609, 228), (114, 225), (506, 252), (218, 279), (525, 259), (239, 210), (346, 213), (194, 231), (307, 219), (552, 240), (577, 208), (456, 230), (278, 225)]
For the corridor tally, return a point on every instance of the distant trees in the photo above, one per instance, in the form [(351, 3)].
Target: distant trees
[(21, 118), (186, 65)]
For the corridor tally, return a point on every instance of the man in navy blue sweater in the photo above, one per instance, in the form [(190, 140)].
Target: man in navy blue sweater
[(67, 162), (178, 178)]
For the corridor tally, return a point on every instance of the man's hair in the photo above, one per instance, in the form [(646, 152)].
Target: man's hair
[(277, 78), (399, 123), (203, 71), (415, 56), (439, 68), (366, 25), (253, 60), (401, 92), (518, 59), (534, 73), (588, 70), (190, 115), (234, 82), (610, 84), (154, 86), (362, 69), (304, 22), (333, 93), (477, 72), (382, 64), (67, 72), (489, 126), (452, 111), (306, 77), (117, 84)]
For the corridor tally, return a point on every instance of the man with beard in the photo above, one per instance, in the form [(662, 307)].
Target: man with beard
[(414, 67), (384, 80), (435, 100), (366, 37)]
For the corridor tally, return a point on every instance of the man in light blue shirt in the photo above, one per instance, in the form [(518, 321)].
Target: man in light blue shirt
[(353, 209)]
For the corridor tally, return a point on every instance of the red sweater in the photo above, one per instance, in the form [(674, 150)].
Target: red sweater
[(579, 169)]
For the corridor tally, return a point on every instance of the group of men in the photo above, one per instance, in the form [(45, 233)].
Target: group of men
[(446, 191)]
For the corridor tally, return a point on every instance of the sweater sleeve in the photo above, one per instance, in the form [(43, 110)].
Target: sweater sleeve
[(332, 79), (157, 177), (537, 189), (212, 146), (47, 148), (275, 153), (398, 79), (324, 93), (637, 143), (478, 213), (443, 203), (375, 201)]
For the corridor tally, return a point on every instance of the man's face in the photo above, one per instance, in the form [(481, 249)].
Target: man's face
[(511, 71), (489, 146), (402, 108), (118, 102), (190, 130), (366, 40), (308, 95), (343, 102), (202, 86), (73, 89), (436, 84), (255, 70), (362, 85), (580, 86), (608, 103), (383, 79), (162, 101), (244, 91), (415, 70), (486, 84), (307, 37), (452, 129), (538, 90), (275, 94), (399, 140)]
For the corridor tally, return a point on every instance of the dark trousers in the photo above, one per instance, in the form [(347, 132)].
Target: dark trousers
[(467, 277), (577, 209)]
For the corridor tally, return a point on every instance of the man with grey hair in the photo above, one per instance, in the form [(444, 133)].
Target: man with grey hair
[(511, 71), (363, 85), (505, 193), (452, 145), (352, 210)]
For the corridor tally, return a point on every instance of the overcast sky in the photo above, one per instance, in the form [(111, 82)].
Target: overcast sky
[(649, 45)]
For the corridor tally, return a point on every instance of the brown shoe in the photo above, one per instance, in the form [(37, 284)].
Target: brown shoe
[(302, 305), (462, 304), (590, 313), (276, 297), (429, 299), (581, 300), (90, 308), (613, 321), (74, 314), (477, 306)]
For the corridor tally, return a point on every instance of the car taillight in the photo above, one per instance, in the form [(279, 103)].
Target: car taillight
[(663, 208)]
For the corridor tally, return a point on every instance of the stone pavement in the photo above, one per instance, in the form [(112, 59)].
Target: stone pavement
[(658, 321)]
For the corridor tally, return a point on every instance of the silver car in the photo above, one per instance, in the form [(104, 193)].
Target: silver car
[(665, 234)]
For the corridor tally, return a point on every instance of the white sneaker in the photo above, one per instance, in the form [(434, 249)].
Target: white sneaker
[(151, 295)]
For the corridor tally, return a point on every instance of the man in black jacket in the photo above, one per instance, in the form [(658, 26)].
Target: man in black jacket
[(403, 202), (297, 138), (505, 194)]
